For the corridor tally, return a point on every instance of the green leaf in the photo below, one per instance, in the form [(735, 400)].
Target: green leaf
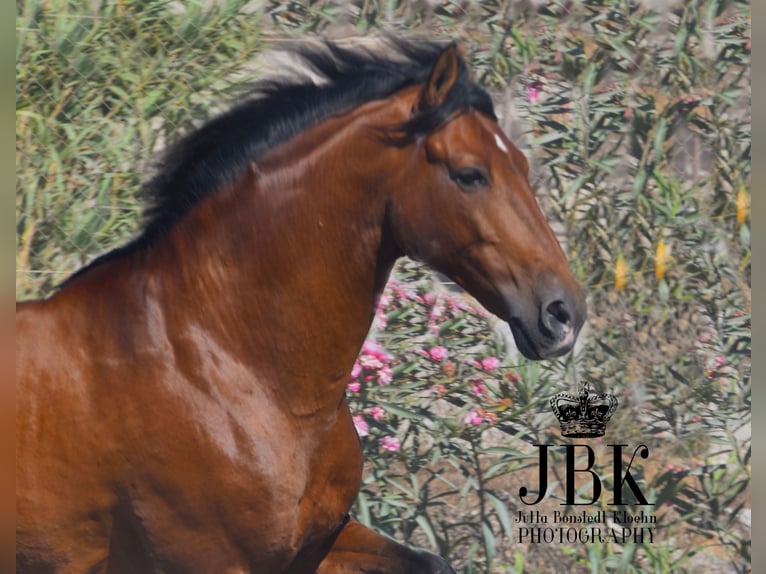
[(428, 530), (489, 541), (502, 513), (362, 509)]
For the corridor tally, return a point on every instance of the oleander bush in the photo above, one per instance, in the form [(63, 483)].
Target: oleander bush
[(636, 119)]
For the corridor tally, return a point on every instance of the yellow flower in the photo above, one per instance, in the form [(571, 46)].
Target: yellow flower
[(620, 273), (661, 257), (742, 205)]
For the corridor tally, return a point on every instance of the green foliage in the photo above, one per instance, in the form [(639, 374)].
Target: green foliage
[(637, 124), (100, 87), (438, 395)]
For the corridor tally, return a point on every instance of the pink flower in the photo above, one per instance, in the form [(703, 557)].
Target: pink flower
[(490, 363), (390, 443), (361, 426), (436, 312), (385, 301), (356, 370), (370, 362), (476, 416), (438, 353), (377, 412), (439, 390), (372, 349), (381, 320), (478, 388), (513, 377), (385, 375), (473, 417), (354, 386)]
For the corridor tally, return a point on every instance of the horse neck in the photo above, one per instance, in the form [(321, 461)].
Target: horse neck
[(284, 268)]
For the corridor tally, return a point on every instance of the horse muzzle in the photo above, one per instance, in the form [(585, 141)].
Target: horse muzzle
[(550, 329)]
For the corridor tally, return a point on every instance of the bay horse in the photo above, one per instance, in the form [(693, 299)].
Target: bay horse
[(180, 400)]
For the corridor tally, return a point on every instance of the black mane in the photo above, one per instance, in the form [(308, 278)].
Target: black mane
[(275, 110)]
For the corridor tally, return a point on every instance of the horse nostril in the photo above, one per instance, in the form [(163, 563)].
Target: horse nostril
[(557, 319), (559, 311)]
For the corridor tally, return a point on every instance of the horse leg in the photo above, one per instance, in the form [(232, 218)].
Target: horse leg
[(357, 549)]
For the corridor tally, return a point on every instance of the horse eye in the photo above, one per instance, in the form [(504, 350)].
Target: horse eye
[(470, 178)]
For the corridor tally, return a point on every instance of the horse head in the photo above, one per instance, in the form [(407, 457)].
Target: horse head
[(463, 204)]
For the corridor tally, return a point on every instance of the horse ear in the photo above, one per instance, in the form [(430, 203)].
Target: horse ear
[(440, 81)]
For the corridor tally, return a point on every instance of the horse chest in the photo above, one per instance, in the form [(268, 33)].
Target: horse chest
[(279, 487)]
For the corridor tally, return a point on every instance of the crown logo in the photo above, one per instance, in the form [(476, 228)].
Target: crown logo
[(584, 415)]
